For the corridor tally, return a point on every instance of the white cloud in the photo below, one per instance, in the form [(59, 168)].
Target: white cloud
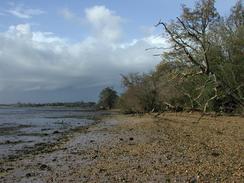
[(67, 14), (32, 60), (105, 24), (22, 12), (156, 40), (20, 30), (70, 16)]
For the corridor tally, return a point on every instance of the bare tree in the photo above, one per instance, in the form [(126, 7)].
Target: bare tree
[(189, 34)]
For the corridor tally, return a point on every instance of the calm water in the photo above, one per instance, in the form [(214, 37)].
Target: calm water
[(24, 127)]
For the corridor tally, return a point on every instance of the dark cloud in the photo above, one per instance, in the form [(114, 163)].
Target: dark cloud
[(40, 66)]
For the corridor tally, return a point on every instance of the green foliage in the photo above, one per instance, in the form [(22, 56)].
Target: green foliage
[(203, 70), (107, 98), (141, 94)]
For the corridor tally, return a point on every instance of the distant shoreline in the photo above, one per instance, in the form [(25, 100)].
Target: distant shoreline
[(53, 104)]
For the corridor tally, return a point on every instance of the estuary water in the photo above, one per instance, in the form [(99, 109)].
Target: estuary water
[(23, 128)]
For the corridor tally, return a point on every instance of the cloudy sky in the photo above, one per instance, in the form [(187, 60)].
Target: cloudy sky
[(69, 50)]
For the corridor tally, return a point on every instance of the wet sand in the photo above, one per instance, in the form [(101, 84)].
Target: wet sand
[(24, 129), (167, 148)]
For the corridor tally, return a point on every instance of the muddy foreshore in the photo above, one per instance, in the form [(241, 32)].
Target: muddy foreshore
[(168, 148)]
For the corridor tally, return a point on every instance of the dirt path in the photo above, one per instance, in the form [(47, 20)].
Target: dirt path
[(169, 148)]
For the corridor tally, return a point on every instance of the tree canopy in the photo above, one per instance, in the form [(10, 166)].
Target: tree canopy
[(107, 98), (202, 70)]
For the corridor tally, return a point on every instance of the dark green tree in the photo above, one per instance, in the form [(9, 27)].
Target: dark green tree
[(108, 98)]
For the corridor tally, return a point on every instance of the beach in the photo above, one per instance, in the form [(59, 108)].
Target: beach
[(168, 147)]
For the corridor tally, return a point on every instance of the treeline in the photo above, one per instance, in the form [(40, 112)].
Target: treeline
[(59, 104), (203, 69)]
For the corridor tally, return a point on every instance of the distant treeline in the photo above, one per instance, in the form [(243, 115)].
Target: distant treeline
[(58, 104), (202, 69)]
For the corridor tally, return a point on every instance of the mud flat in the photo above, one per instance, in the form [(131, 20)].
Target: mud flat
[(167, 148)]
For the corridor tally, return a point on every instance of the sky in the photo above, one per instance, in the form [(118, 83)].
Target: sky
[(69, 50)]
